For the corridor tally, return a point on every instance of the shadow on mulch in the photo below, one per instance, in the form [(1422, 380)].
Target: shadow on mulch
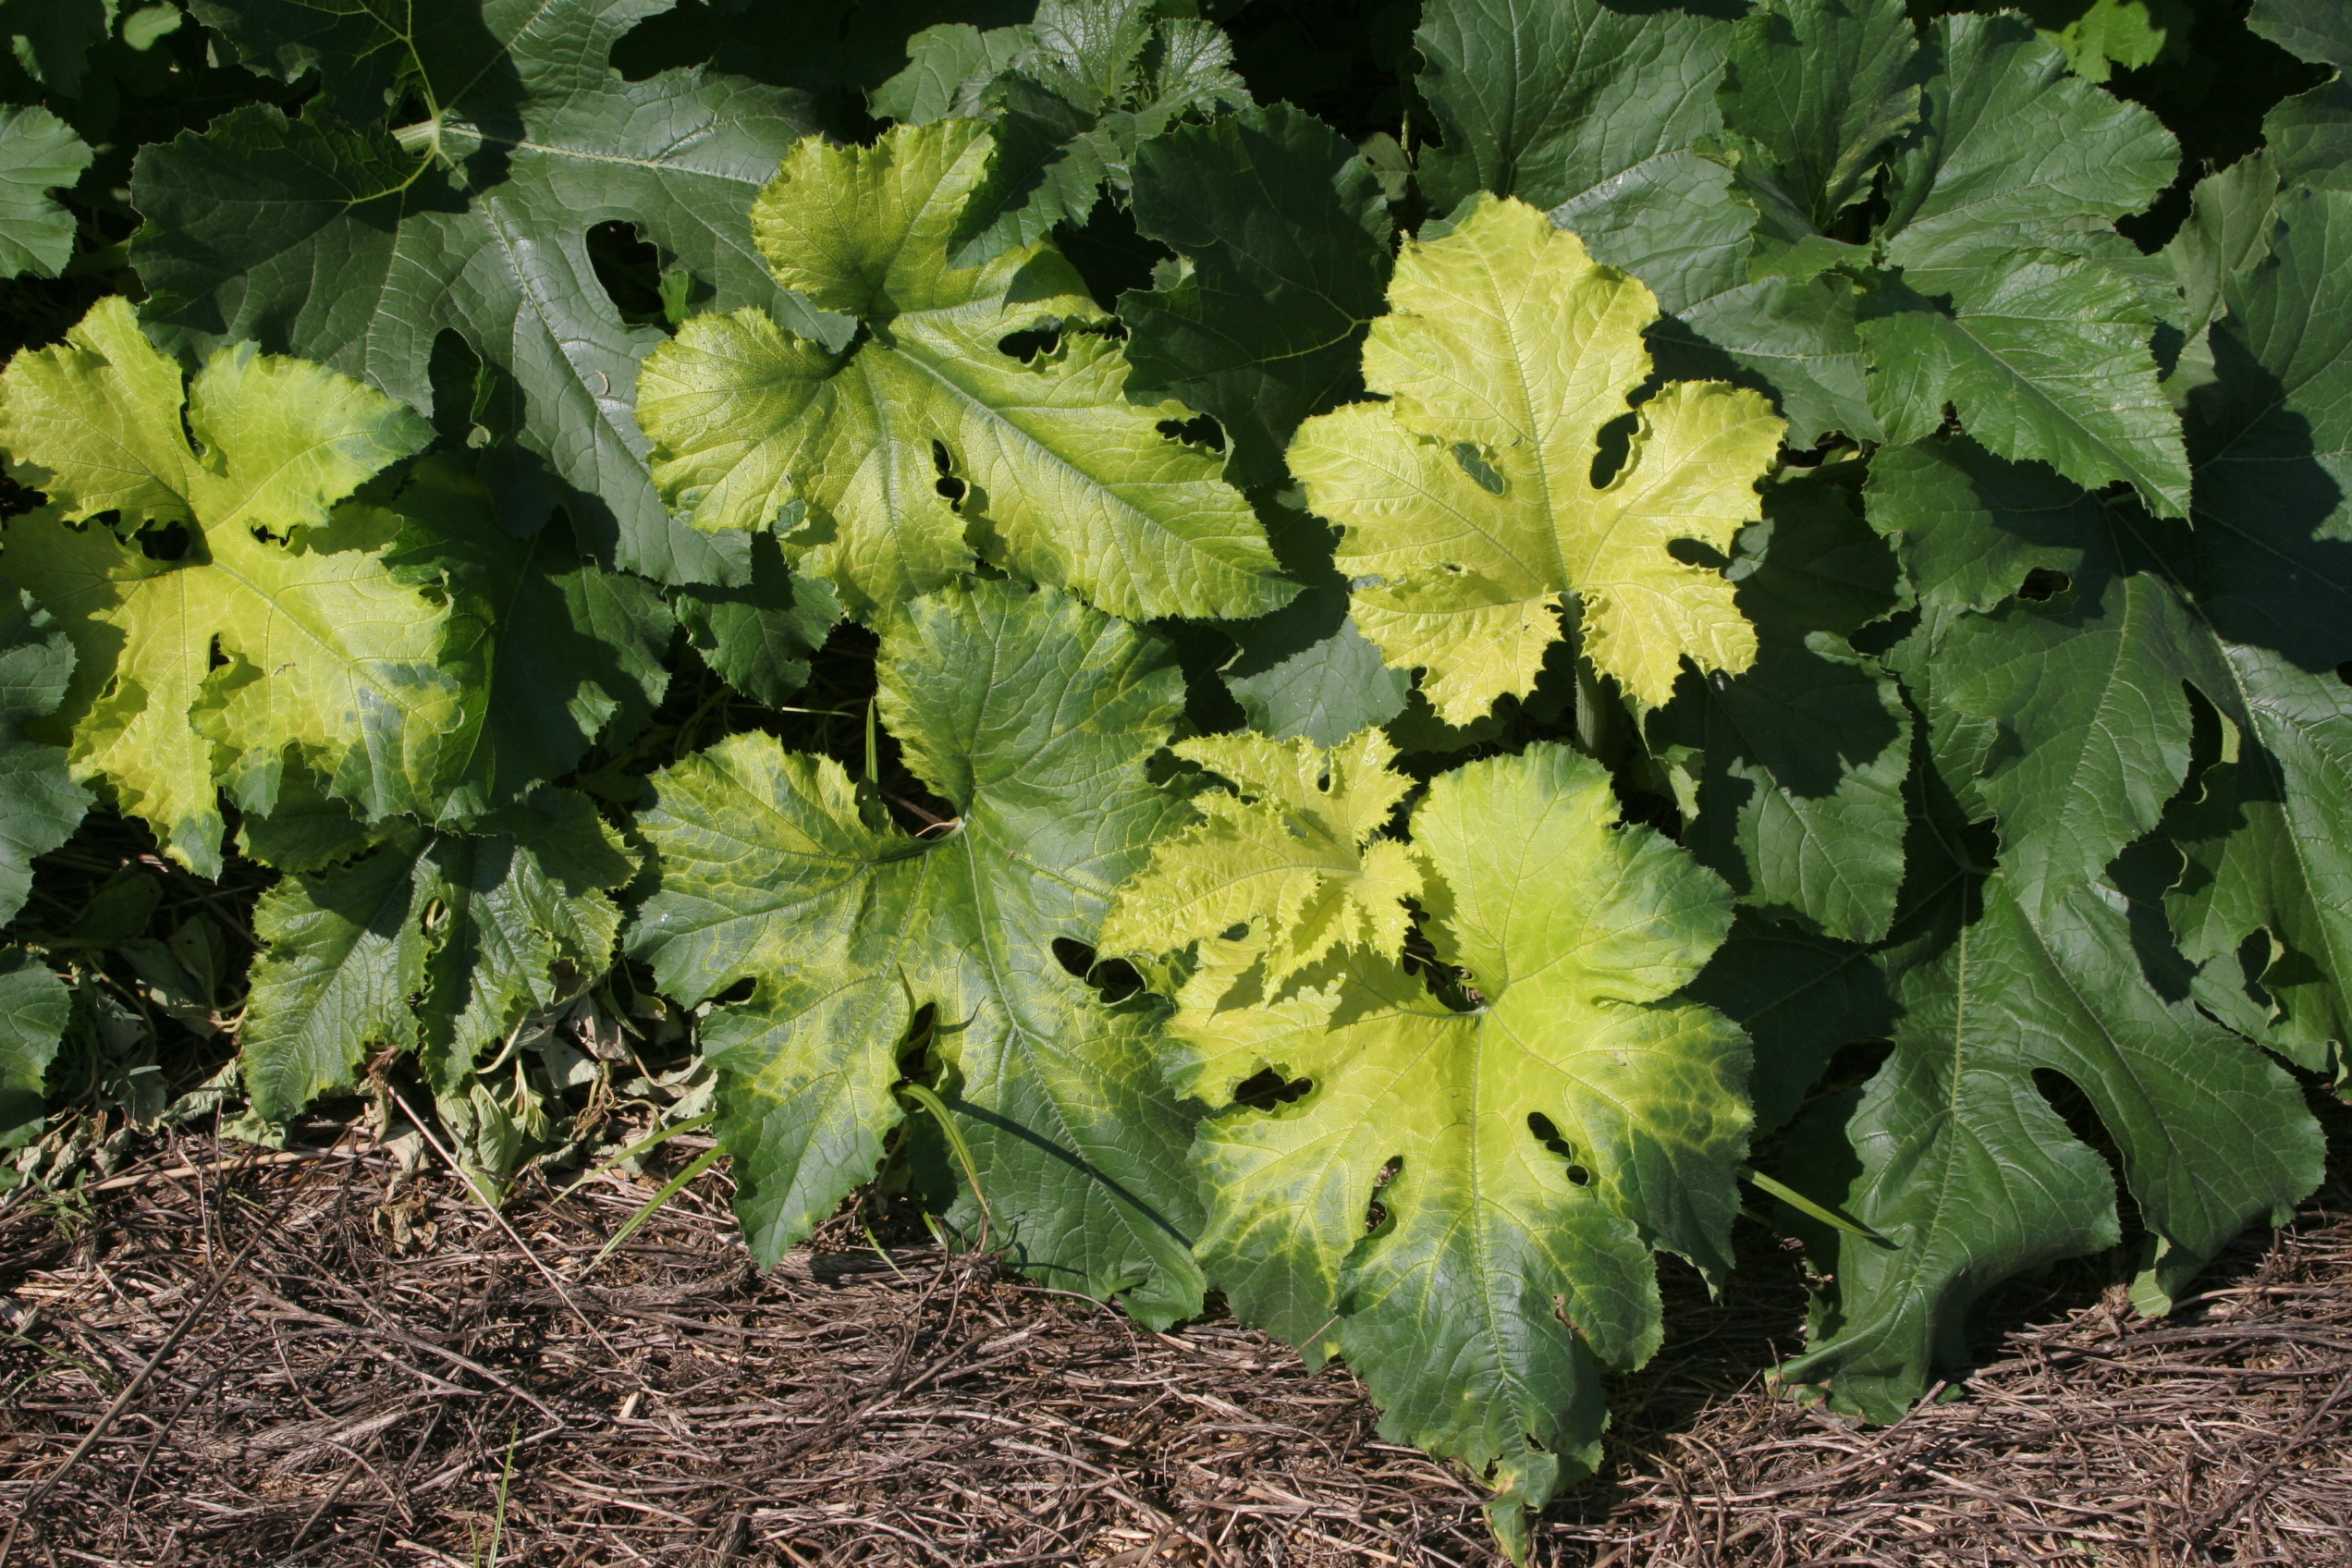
[(353, 1365)]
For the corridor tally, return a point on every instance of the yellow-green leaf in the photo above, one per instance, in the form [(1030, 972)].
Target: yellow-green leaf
[(1055, 474), (1524, 1154), (322, 647), (1293, 853), (1468, 496)]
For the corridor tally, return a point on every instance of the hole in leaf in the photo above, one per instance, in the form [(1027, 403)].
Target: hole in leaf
[(1268, 1089), (2042, 582), (1547, 1134), (16, 499), (1697, 552), (1475, 464), (948, 485), (1026, 346), (1376, 1213), (1198, 431), (1113, 979), (740, 991), (1612, 445), (1234, 933), (2072, 1107), (2343, 672), (630, 269), (165, 540)]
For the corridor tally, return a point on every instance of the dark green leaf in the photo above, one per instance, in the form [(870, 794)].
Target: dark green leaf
[(759, 637), (1287, 236), (2043, 358), (431, 941), (40, 803), (553, 649), (1590, 114), (2316, 30), (1822, 85), (34, 1006), (1972, 1176), (336, 240)]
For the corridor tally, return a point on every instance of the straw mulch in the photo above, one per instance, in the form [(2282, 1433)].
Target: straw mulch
[(329, 1361)]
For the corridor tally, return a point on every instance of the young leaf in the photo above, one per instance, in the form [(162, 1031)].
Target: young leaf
[(1034, 716), (1821, 87), (1295, 855), (333, 236), (38, 154), (225, 544), (1264, 329), (40, 803), (1590, 114), (1072, 93), (1537, 1146), (1060, 478), (435, 941), (1468, 498)]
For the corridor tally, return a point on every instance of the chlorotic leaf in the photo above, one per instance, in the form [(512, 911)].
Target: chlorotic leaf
[(1524, 1156), (327, 650), (1033, 717), (1266, 326), (1058, 476), (1467, 498), (328, 236), (432, 941), (39, 152), (40, 803), (34, 1006), (1296, 853)]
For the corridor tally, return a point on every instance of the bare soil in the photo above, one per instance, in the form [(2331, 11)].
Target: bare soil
[(325, 1360)]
